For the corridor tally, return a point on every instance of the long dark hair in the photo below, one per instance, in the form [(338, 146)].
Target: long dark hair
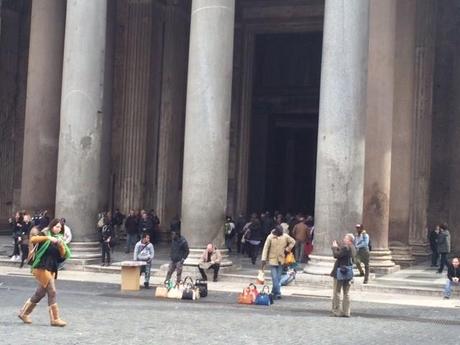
[(53, 223)]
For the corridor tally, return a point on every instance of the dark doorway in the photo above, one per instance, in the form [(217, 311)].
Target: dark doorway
[(284, 123)]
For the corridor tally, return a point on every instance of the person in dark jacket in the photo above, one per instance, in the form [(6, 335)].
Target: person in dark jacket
[(179, 252), (132, 230), (51, 251), (344, 258), (453, 277), (44, 220), (253, 239), (16, 229), (146, 225), (24, 238), (443, 245), (433, 238), (106, 237)]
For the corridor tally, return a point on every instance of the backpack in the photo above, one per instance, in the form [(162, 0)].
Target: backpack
[(227, 229)]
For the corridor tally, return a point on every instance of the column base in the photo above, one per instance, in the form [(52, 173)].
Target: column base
[(84, 253), (320, 265), (381, 262), (402, 255), (421, 251)]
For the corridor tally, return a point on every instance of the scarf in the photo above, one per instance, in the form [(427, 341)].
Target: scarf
[(44, 247)]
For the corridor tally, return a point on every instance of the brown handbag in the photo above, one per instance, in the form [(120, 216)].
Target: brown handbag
[(31, 255)]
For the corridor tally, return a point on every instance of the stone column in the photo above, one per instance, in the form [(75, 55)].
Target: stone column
[(205, 177), (136, 105), (401, 151), (43, 103), (379, 129), (171, 134), (82, 180), (422, 126), (340, 162)]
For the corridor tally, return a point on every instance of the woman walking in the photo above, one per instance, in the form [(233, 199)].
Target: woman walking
[(50, 251)]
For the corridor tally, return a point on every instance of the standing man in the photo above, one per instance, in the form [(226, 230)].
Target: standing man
[(276, 246), (146, 224), (362, 255), (132, 230), (179, 252), (443, 245), (229, 232), (144, 251), (301, 233), (118, 218), (344, 259), (433, 238), (210, 259)]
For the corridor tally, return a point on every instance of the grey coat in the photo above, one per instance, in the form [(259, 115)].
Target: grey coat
[(443, 242)]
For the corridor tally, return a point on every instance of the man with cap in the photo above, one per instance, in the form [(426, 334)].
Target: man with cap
[(362, 255)]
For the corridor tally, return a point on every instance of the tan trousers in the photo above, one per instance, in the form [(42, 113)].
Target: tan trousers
[(343, 310)]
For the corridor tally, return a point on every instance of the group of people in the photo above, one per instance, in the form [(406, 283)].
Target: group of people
[(21, 226), (250, 234), (439, 239), (136, 225)]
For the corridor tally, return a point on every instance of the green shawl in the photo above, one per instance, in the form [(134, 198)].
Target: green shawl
[(44, 247)]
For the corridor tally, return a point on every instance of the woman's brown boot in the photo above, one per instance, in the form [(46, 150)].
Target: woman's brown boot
[(26, 310), (54, 316)]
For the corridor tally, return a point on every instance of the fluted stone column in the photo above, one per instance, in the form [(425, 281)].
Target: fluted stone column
[(340, 162), (401, 151), (136, 105), (41, 133), (422, 126), (82, 181), (206, 150), (379, 129), (171, 134)]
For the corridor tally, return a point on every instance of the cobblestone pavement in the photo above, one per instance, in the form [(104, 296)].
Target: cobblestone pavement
[(101, 314)]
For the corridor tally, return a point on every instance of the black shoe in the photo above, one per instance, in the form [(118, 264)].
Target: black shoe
[(103, 264), (365, 282), (446, 297), (215, 279), (146, 285)]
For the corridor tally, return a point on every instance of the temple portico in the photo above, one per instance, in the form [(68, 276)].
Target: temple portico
[(343, 109)]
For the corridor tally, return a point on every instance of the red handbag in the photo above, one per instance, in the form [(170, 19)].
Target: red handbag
[(308, 249)]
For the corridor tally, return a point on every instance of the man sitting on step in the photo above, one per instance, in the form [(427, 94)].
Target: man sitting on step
[(453, 277), (210, 259)]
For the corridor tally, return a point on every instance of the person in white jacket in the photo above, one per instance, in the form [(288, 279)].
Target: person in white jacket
[(144, 251)]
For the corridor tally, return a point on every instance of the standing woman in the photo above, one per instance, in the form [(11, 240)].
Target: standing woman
[(51, 251)]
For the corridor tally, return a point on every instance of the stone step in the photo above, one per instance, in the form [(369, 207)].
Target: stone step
[(85, 246)]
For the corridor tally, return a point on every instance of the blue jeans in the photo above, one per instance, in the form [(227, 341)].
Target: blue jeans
[(276, 279), (448, 288)]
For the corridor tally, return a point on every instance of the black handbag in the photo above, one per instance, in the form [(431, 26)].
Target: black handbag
[(202, 285), (190, 291)]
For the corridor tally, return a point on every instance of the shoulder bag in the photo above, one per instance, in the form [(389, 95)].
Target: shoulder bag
[(345, 272), (31, 255)]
